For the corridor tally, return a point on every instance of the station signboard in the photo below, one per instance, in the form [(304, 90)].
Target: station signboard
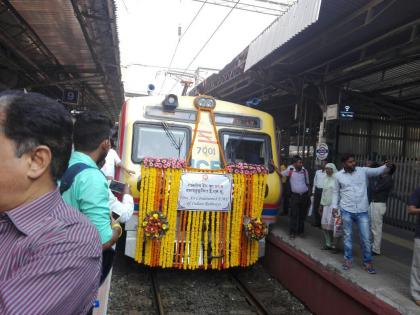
[(322, 151), (71, 97), (332, 112), (346, 112)]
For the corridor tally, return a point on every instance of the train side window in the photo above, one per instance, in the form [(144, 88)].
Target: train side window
[(159, 141)]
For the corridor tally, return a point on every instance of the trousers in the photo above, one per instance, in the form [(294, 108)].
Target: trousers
[(317, 202), (107, 260), (415, 271), (377, 211), (362, 221), (299, 205)]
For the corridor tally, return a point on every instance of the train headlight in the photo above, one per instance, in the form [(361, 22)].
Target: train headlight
[(170, 103), (205, 102)]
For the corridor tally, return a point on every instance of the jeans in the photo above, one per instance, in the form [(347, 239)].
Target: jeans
[(362, 221)]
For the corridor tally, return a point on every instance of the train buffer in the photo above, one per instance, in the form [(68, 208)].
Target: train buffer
[(315, 276)]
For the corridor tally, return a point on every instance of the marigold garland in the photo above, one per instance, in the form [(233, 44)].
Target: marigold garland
[(198, 239)]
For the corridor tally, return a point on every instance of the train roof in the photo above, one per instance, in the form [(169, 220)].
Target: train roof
[(187, 103)]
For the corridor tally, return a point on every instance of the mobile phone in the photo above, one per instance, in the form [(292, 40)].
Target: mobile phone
[(115, 216), (117, 186)]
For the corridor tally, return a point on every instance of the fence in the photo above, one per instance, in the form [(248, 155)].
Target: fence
[(385, 138), (406, 179)]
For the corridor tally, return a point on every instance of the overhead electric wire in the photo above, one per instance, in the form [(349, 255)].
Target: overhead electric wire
[(253, 5), (146, 66), (125, 6), (208, 40), (179, 41), (283, 4), (227, 5)]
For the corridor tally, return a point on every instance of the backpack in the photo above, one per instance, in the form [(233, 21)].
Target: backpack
[(288, 186), (69, 175)]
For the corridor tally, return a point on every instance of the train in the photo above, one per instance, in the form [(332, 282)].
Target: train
[(189, 154)]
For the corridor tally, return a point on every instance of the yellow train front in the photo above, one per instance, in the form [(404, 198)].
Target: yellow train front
[(173, 128)]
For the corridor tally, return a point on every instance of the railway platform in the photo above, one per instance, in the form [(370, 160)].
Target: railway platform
[(301, 264)]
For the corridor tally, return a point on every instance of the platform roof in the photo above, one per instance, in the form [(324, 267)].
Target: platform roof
[(365, 51), (49, 46)]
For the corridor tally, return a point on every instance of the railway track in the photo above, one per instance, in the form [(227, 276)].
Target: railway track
[(256, 306), (136, 289)]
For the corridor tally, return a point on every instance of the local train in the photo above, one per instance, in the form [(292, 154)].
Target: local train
[(209, 135)]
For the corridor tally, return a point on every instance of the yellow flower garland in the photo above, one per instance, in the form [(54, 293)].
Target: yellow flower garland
[(222, 231)]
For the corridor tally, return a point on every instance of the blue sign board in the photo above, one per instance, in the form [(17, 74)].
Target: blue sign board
[(71, 96), (346, 112)]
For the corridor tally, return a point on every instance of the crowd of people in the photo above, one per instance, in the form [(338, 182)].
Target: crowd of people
[(59, 221), (339, 199)]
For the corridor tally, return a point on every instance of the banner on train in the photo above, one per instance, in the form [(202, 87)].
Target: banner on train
[(203, 191)]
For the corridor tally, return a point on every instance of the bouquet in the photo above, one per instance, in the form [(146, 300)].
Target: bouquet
[(155, 225), (255, 229)]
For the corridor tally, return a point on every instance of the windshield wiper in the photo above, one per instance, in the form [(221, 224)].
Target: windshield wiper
[(172, 139)]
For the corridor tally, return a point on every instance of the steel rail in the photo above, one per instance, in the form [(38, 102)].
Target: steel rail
[(156, 293), (261, 309)]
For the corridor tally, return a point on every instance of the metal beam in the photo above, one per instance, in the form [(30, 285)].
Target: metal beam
[(60, 82), (379, 100), (85, 32)]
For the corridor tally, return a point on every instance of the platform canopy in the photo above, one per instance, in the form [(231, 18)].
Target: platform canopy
[(367, 52), (62, 46)]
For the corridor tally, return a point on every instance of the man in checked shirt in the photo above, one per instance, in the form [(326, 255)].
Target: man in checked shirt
[(50, 254)]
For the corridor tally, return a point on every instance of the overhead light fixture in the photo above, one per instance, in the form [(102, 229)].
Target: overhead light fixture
[(205, 102), (170, 103)]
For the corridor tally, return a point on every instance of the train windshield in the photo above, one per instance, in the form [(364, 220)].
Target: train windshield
[(246, 147), (159, 141)]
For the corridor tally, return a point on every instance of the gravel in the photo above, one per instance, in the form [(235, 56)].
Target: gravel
[(195, 292)]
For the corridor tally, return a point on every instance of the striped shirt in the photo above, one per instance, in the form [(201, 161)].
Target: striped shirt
[(50, 261)]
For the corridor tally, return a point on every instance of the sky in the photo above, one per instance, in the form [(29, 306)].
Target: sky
[(148, 34)]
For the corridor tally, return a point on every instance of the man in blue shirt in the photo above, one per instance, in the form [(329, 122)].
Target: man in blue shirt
[(89, 189), (350, 196)]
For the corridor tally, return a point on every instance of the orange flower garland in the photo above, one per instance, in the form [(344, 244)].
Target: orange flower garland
[(197, 239)]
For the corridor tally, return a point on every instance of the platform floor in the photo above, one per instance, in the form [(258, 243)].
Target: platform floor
[(390, 284)]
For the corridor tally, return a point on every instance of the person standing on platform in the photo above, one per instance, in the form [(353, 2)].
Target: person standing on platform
[(285, 197), (112, 160), (317, 193), (380, 190), (298, 183), (325, 210), (85, 187), (50, 261), (413, 208), (351, 200)]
